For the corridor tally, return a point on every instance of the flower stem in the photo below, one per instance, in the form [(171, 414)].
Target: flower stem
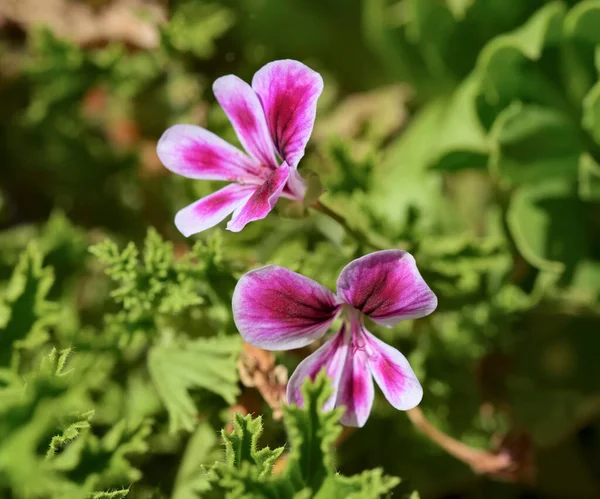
[(480, 461), (359, 237)]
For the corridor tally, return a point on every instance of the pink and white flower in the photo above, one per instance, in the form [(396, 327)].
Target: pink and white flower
[(273, 120), (277, 309)]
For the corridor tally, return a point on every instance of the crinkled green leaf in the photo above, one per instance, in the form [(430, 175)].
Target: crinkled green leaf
[(177, 367), (312, 433), (310, 470), (154, 279), (25, 313), (241, 445), (369, 484)]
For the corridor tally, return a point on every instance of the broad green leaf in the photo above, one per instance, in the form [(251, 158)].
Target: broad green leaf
[(547, 226), (178, 367), (534, 143), (581, 22), (402, 181), (202, 450), (499, 59), (461, 140)]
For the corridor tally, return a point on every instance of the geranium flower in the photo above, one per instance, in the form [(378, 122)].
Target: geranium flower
[(273, 120), (277, 309)]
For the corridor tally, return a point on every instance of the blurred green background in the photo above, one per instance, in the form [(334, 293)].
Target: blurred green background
[(466, 131)]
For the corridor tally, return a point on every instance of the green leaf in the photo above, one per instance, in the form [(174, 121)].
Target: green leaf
[(368, 485), (459, 7), (154, 280), (114, 494), (589, 178), (546, 224), (498, 64), (74, 430), (202, 449), (195, 26), (581, 22), (25, 313), (534, 143), (461, 139), (402, 182), (312, 433), (177, 367), (591, 112), (240, 445), (30, 413), (310, 471)]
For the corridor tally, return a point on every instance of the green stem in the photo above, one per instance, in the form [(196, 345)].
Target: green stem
[(359, 237)]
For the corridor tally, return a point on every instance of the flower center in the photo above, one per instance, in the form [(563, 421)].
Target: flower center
[(353, 334)]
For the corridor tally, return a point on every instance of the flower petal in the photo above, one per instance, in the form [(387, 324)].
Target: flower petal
[(277, 309), (332, 357), (289, 91), (393, 374), (386, 286), (262, 201), (295, 187), (194, 152), (246, 114), (356, 392), (210, 210)]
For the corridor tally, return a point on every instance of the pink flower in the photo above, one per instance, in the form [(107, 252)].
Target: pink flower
[(277, 309), (273, 120)]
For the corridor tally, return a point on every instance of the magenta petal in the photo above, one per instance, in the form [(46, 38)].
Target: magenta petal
[(262, 201), (289, 91), (295, 187), (194, 152), (393, 374), (332, 357), (386, 286), (210, 210), (356, 392), (246, 114), (277, 309)]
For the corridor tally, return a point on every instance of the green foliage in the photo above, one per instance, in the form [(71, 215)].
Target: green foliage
[(154, 280), (309, 471), (32, 410), (176, 368), (465, 131), (25, 313)]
